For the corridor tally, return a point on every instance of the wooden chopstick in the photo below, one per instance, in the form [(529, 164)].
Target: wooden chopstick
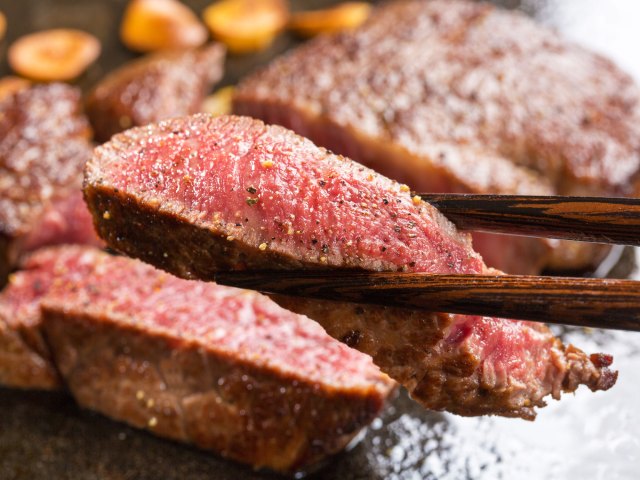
[(587, 219), (584, 302)]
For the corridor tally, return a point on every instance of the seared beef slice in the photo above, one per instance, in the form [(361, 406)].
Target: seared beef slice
[(155, 87), (25, 361), (458, 96), (44, 144), (224, 369), (201, 194)]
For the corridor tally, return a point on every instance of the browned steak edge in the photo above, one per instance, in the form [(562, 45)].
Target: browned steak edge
[(23, 364), (448, 378), (137, 230), (172, 388), (5, 259)]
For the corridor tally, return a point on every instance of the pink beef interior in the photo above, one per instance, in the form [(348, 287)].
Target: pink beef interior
[(308, 204), (67, 221)]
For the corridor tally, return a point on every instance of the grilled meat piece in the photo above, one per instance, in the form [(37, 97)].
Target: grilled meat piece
[(458, 96), (200, 194), (158, 86), (44, 144), (25, 361), (224, 369)]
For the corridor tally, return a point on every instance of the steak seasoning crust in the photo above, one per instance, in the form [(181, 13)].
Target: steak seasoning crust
[(201, 194), (458, 96), (224, 369)]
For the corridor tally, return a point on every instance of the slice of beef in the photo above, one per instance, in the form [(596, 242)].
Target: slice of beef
[(44, 144), (200, 194), (25, 360), (224, 369), (458, 96), (154, 87)]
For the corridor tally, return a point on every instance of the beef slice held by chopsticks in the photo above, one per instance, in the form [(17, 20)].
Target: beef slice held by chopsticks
[(155, 87), (44, 144), (201, 194)]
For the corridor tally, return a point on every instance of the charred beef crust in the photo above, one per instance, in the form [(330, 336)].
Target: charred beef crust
[(438, 365), (6, 259), (140, 231), (22, 365), (155, 87), (463, 98), (180, 391)]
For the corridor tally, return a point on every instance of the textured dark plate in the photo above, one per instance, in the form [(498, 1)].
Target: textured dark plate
[(46, 436)]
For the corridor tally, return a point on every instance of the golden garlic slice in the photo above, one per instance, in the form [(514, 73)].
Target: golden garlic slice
[(246, 26), (345, 16), (150, 25), (53, 55)]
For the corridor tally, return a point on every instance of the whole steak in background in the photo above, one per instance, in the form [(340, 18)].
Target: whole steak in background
[(458, 96)]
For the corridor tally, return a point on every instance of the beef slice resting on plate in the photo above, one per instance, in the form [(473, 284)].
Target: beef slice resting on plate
[(44, 144), (224, 369), (152, 88), (201, 194), (458, 96)]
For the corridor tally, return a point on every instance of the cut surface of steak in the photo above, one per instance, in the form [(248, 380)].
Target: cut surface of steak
[(463, 98), (224, 369), (44, 144), (25, 361), (200, 194), (153, 88)]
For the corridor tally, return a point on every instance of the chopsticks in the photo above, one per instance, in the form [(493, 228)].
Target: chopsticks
[(584, 302), (587, 219)]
